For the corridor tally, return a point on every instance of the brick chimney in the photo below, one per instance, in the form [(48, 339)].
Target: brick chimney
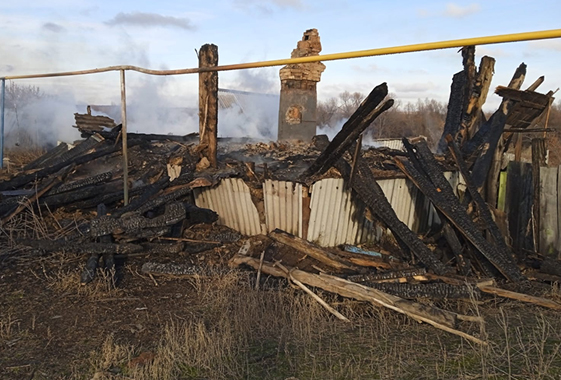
[(298, 97)]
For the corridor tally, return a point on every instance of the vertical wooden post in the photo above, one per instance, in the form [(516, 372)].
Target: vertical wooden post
[(208, 103), (124, 139), (538, 160)]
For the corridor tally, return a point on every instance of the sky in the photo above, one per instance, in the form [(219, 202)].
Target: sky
[(39, 36)]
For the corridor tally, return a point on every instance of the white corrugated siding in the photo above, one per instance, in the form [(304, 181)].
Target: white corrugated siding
[(283, 206), (232, 201), (334, 217)]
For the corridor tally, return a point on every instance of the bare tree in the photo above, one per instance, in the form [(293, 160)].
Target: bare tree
[(17, 97)]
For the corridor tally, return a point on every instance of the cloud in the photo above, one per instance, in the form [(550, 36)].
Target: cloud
[(52, 27), (458, 11), (452, 10), (268, 6), (7, 68), (142, 19), (413, 87), (551, 45), (370, 68)]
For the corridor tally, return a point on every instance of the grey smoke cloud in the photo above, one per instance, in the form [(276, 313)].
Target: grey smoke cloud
[(52, 27), (142, 19)]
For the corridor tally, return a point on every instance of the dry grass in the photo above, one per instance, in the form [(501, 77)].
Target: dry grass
[(279, 332)]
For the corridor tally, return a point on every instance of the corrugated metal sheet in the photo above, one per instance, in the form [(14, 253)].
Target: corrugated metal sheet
[(283, 206), (232, 201), (336, 218)]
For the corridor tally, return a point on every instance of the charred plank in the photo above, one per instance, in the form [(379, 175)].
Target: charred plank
[(458, 216), (373, 196), (366, 113)]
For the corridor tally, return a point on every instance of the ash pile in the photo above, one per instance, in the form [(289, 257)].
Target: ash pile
[(261, 192)]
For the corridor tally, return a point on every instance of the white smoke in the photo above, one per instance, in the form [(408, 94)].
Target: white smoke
[(40, 121), (330, 131)]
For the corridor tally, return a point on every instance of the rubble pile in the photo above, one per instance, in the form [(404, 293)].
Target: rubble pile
[(464, 258)]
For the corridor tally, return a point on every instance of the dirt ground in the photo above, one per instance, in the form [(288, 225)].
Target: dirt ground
[(52, 327)]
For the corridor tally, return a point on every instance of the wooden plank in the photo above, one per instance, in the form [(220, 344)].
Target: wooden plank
[(434, 316), (538, 160), (548, 222), (521, 297), (479, 95), (311, 250), (502, 191), (518, 206)]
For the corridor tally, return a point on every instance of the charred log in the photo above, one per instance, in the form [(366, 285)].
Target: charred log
[(366, 113), (388, 276), (443, 198), (93, 180), (435, 291), (106, 225), (373, 196)]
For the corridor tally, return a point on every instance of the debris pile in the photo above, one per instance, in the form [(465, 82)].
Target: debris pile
[(466, 255)]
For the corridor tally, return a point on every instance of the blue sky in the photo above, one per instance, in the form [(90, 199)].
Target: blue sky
[(60, 35)]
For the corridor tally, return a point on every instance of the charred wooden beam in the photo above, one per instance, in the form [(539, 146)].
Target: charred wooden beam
[(478, 96), (159, 248), (365, 114), (92, 142), (148, 233), (89, 181), (482, 206), (88, 274), (518, 206), (457, 215), (462, 261), (24, 179), (70, 197), (435, 291), (81, 247), (485, 134), (106, 225), (189, 138), (39, 193), (538, 160), (455, 110), (50, 155), (460, 94), (373, 196), (488, 165), (172, 195), (388, 276), (146, 193)]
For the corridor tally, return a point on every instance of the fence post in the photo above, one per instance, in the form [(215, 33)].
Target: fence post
[(2, 123), (208, 103), (124, 139)]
